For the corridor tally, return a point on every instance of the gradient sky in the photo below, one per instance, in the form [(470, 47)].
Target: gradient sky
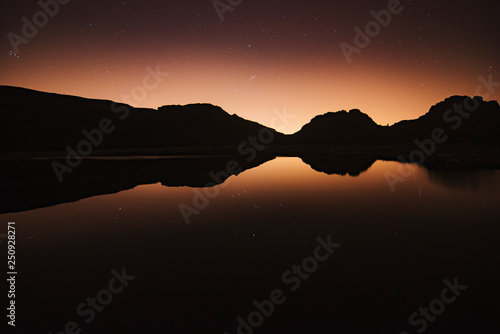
[(264, 56)]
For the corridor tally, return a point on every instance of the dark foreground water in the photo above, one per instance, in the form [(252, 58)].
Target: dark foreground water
[(280, 248)]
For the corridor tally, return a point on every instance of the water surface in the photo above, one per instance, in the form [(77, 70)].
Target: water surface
[(396, 249)]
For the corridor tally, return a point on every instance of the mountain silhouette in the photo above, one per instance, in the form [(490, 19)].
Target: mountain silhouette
[(479, 126), (38, 124), (460, 132), (353, 127), (35, 121), (356, 128)]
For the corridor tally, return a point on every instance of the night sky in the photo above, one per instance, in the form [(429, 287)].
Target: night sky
[(265, 56)]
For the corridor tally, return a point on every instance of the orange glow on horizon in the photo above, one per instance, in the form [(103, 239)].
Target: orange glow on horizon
[(388, 93)]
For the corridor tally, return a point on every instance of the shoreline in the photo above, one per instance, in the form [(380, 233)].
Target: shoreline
[(449, 156)]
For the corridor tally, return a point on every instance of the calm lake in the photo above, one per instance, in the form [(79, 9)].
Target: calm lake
[(279, 248)]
